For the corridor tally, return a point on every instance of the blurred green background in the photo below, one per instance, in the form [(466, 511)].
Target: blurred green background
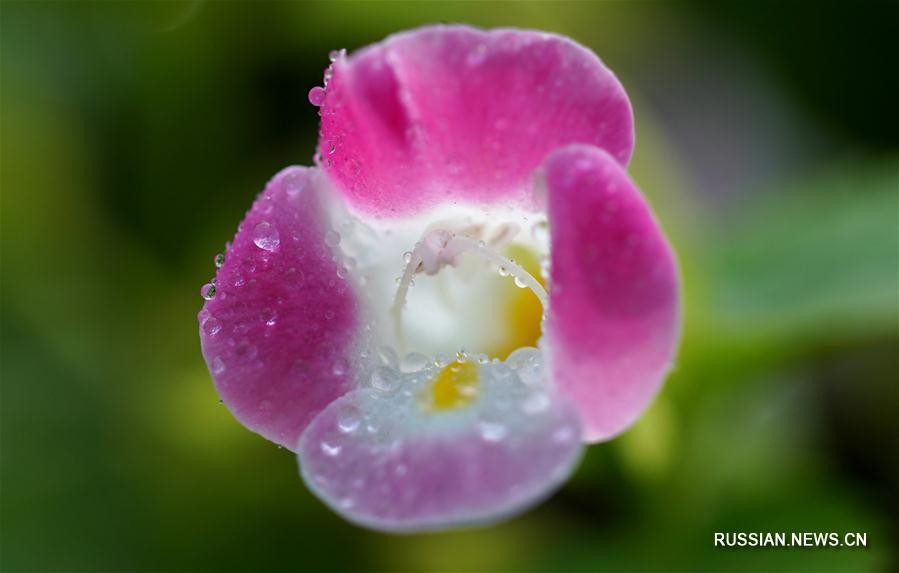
[(135, 135)]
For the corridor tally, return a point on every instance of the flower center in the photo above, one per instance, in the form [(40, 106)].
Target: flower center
[(440, 248)]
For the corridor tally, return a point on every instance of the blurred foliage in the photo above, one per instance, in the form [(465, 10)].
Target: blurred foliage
[(135, 135)]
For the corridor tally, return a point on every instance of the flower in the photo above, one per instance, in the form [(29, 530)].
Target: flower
[(464, 290)]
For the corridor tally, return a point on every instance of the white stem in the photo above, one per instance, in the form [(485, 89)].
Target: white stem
[(515, 270), (399, 299)]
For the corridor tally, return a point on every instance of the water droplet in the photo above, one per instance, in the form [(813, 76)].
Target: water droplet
[(545, 267), (268, 316), (211, 326), (207, 291), (293, 276), (340, 367), (520, 283), (332, 238), (294, 183), (503, 272), (413, 362), (245, 350), (348, 419), (385, 379), (535, 403), (219, 260), (407, 257), (492, 431), (501, 370), (333, 55), (330, 449), (266, 237), (342, 272), (388, 356), (540, 231), (300, 367), (317, 96), (218, 365), (563, 435)]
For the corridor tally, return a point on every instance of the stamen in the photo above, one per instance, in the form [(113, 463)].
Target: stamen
[(440, 248)]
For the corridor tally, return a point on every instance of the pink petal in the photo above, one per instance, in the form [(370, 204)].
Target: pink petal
[(381, 462), (279, 334), (614, 317), (456, 113)]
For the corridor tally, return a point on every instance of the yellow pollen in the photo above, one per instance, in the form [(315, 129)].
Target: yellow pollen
[(454, 387)]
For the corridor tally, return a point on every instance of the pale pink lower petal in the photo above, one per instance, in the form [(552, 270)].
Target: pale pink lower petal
[(614, 318), (454, 113), (380, 461), (279, 334)]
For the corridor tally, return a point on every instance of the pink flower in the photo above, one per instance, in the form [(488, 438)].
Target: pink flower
[(445, 153)]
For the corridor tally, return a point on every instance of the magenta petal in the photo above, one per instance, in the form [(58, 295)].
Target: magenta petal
[(379, 462), (456, 113), (279, 335), (614, 318)]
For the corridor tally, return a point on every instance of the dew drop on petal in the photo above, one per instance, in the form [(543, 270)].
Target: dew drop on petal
[(245, 350), (266, 237), (330, 449), (413, 362), (340, 367), (441, 360), (293, 276), (407, 257), (268, 316), (348, 419), (385, 379), (563, 435), (294, 183), (492, 431), (535, 403), (207, 291), (317, 96), (212, 326), (388, 356), (503, 272), (219, 260), (520, 283)]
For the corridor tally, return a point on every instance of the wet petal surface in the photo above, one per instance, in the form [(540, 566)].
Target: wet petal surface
[(391, 458), (279, 334), (614, 318), (453, 113)]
